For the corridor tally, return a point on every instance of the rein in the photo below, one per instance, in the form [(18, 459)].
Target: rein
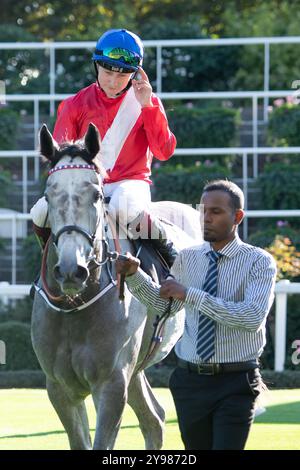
[(157, 337)]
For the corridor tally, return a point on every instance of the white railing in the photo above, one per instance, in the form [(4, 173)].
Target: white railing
[(243, 152), (282, 290), (13, 292), (17, 217), (14, 219), (25, 155), (254, 96), (51, 47)]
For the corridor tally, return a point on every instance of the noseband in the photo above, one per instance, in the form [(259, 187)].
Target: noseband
[(76, 228)]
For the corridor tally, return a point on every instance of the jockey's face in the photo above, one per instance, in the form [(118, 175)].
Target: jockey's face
[(220, 218), (111, 82)]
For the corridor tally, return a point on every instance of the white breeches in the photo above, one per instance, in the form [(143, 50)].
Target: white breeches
[(129, 198)]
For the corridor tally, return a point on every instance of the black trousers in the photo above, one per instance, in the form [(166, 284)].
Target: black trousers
[(215, 412)]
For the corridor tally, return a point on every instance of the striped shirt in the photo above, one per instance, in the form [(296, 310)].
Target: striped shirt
[(246, 281)]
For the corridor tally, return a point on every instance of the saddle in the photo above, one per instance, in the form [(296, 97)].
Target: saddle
[(152, 263), (148, 252)]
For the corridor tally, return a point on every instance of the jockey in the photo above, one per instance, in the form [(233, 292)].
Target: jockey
[(133, 128)]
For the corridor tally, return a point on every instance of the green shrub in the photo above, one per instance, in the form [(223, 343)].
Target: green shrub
[(284, 126), (24, 70), (18, 310), (186, 68), (159, 377), (287, 264), (265, 237), (263, 19), (285, 379), (19, 351), (32, 258), (9, 121), (280, 186), (204, 128), (184, 184), (22, 379), (5, 186)]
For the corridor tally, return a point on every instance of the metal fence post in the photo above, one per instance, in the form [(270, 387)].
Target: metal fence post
[(280, 327), (158, 69), (255, 134), (245, 191), (14, 250), (52, 79), (266, 79), (25, 183)]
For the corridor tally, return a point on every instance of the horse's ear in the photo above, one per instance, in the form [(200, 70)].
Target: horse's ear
[(48, 145), (92, 141)]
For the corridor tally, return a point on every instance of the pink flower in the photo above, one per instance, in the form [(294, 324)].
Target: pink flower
[(282, 223), (279, 102)]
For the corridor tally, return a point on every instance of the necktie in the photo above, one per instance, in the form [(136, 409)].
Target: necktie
[(206, 326)]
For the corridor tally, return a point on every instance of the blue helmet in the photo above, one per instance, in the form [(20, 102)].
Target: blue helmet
[(119, 50)]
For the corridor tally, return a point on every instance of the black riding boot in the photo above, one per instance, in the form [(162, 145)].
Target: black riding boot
[(152, 229)]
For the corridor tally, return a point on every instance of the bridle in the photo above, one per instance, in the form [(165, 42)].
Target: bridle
[(76, 228), (107, 255)]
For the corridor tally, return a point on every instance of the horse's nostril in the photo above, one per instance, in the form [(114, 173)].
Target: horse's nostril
[(57, 273), (78, 274), (81, 273)]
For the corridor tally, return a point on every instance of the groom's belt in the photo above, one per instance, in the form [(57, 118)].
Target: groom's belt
[(217, 368)]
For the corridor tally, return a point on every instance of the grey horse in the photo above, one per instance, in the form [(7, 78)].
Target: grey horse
[(86, 339)]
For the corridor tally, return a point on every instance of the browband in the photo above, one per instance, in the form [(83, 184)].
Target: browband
[(72, 166)]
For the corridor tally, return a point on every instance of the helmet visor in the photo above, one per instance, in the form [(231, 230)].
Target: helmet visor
[(121, 55)]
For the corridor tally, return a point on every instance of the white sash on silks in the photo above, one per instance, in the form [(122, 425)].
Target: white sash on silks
[(118, 132)]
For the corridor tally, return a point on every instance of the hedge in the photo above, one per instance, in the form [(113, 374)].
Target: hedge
[(9, 122), (19, 351), (22, 379), (158, 376), (284, 125), (184, 184), (209, 127), (279, 186), (5, 186), (265, 237)]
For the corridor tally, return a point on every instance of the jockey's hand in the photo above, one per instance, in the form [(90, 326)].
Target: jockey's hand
[(172, 288), (142, 89), (127, 266)]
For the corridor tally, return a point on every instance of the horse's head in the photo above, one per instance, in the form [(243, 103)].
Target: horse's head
[(75, 200)]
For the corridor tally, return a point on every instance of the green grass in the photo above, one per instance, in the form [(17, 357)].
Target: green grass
[(28, 421)]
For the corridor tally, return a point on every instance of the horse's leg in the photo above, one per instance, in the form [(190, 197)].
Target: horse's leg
[(150, 414), (73, 416), (109, 400)]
